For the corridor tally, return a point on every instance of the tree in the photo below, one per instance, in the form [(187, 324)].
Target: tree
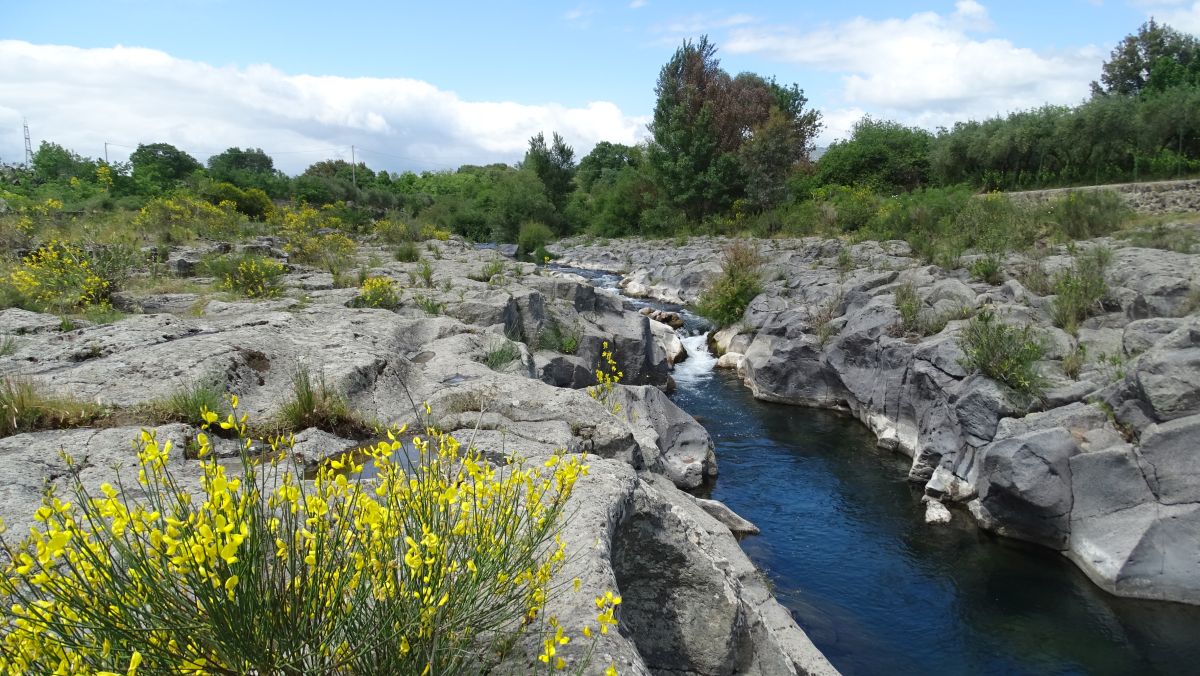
[(602, 164), (882, 155), (1129, 68), (158, 166), (707, 128), (554, 165), (53, 162)]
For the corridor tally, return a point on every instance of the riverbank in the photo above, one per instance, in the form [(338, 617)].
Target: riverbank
[(1100, 469)]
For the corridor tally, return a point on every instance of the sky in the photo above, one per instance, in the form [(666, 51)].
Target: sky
[(432, 85)]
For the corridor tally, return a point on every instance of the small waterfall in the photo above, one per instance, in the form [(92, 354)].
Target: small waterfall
[(698, 367)]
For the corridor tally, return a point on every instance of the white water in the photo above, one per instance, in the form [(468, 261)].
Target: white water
[(699, 364)]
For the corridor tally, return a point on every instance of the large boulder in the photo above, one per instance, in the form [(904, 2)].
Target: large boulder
[(1172, 454), (1025, 487), (670, 438)]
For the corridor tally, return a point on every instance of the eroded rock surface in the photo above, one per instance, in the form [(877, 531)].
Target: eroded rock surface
[(1103, 467)]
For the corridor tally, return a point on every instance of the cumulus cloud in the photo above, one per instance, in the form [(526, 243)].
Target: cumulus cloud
[(929, 68), (81, 98)]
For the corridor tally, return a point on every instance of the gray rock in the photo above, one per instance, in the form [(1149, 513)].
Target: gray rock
[(982, 402), (721, 512), (1141, 335), (1172, 454), (952, 290), (670, 438), (1168, 375), (17, 322), (1025, 486)]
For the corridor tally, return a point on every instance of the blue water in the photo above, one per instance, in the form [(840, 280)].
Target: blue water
[(880, 592)]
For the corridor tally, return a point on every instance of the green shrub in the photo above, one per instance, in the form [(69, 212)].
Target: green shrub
[(425, 273), (532, 236), (988, 269), (727, 297), (1079, 289), (8, 346), (407, 252), (116, 262), (1086, 214), (58, 277), (421, 570), (246, 274), (182, 217), (378, 292), (1003, 353), (1163, 236)]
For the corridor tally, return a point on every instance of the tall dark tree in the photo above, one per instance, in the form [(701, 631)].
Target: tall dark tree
[(702, 121), (554, 165), (1155, 46)]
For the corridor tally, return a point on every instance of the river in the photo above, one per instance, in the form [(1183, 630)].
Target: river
[(846, 547)]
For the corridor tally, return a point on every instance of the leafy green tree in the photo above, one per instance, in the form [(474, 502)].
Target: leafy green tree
[(248, 168), (554, 165), (882, 155), (53, 162), (159, 166), (603, 163), (1130, 67)]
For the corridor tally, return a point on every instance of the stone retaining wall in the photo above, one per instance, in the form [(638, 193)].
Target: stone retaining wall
[(1159, 197)]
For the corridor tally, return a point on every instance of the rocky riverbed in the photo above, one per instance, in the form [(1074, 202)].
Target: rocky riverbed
[(694, 604), (1103, 467)]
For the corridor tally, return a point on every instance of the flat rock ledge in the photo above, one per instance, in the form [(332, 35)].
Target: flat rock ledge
[(694, 604)]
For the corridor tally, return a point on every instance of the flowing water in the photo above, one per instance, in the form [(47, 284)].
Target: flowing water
[(879, 591)]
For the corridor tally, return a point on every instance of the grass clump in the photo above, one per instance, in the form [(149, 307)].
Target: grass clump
[(558, 338), (8, 346), (726, 298), (428, 304), (407, 252), (489, 270), (1079, 289), (501, 355), (1004, 353), (908, 304), (378, 292), (1073, 363), (271, 574), (315, 404), (247, 274), (23, 408), (987, 269), (185, 403)]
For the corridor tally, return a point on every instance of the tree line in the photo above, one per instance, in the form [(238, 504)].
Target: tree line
[(726, 152)]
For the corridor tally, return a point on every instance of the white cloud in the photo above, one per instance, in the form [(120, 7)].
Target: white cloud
[(929, 68), (696, 24), (1184, 16), (81, 98), (637, 4)]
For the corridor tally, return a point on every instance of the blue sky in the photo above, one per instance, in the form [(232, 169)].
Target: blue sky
[(430, 85)]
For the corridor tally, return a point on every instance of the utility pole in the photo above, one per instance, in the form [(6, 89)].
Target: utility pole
[(106, 152), (353, 168), (28, 145)]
